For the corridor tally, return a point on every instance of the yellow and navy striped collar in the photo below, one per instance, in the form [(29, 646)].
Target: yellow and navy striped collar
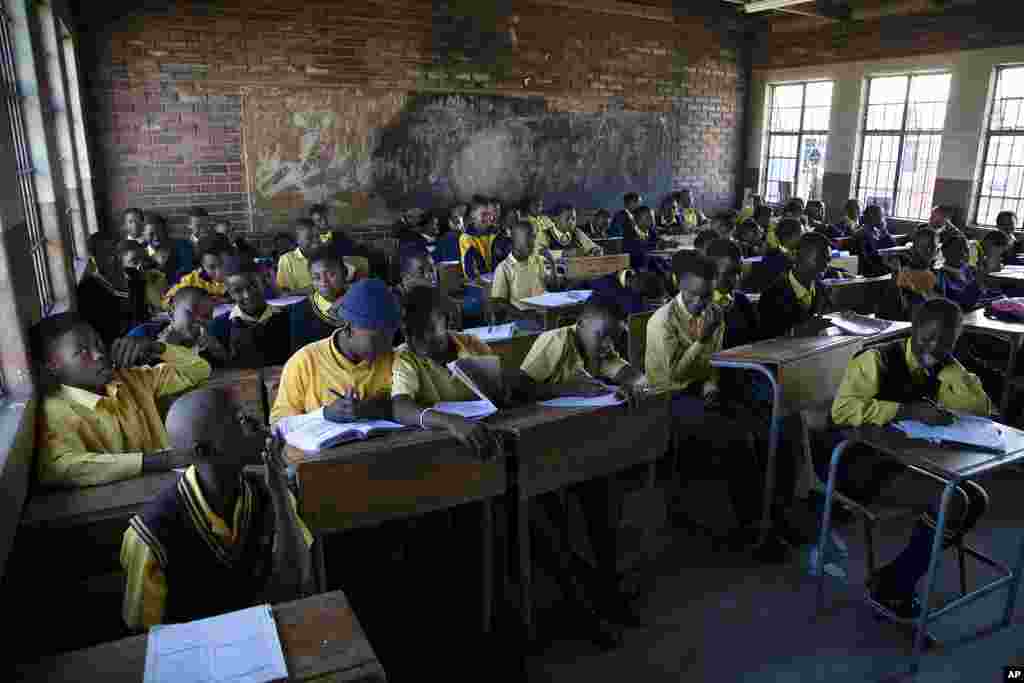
[(322, 308)]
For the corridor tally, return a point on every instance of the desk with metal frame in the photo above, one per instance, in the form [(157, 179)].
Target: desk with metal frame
[(950, 465), (1011, 333)]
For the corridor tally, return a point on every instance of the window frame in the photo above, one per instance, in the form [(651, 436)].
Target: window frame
[(800, 133), (901, 133), (986, 143)]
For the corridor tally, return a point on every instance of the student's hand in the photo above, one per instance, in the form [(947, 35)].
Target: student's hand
[(344, 409), (276, 465), (129, 352), (478, 436), (713, 399), (584, 386), (632, 394), (927, 413), (712, 317)]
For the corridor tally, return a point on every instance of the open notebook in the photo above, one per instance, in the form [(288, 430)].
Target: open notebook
[(238, 647), (968, 430), (482, 374), (859, 325), (556, 299), (313, 432), (493, 332)]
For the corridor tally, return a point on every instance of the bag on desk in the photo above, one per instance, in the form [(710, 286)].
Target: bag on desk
[(1010, 309)]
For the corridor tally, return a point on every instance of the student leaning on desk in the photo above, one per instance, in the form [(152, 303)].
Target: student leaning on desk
[(99, 420), (916, 379)]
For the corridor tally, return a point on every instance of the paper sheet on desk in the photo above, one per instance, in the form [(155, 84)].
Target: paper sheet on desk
[(238, 647), (584, 401), (968, 430), (553, 299), (493, 333), (860, 325), (471, 410)]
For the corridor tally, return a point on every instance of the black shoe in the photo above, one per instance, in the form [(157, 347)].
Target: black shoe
[(774, 550), (894, 605)]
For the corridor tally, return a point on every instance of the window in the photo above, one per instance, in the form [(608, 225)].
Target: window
[(1002, 173), (798, 118), (899, 155), (25, 168)]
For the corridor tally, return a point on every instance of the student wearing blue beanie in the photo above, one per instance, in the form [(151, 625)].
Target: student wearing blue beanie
[(349, 373)]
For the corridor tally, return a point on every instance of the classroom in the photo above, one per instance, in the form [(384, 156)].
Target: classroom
[(531, 340)]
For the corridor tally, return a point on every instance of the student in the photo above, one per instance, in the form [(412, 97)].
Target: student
[(293, 268), (848, 224), (639, 237), (131, 224), (724, 223), (255, 333), (793, 304), (181, 256), (599, 225), (421, 235), (776, 260), (957, 280), (572, 361), (689, 215), (216, 540), (99, 420), (1006, 222), (111, 299), (355, 361), (795, 209), (815, 215), (750, 238), (916, 281), (564, 235), (133, 261), (633, 292), (703, 239), (420, 377), (763, 216), (992, 252), (209, 276), (669, 221), (940, 220), (191, 313), (874, 236), (521, 275), (501, 247), (475, 251), (417, 270), (311, 320), (630, 203), (916, 379), (446, 249), (741, 319), (198, 224), (682, 336)]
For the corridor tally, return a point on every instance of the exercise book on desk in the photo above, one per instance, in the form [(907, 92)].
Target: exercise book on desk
[(493, 332), (555, 299), (859, 325), (482, 374), (313, 432), (602, 401), (238, 647), (968, 430)]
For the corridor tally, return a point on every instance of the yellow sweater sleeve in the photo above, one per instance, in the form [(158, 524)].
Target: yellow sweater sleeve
[(145, 593), (855, 403)]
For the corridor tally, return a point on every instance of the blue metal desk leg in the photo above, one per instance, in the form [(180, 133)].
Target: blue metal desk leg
[(826, 520), (1014, 587), (773, 441), (929, 582)]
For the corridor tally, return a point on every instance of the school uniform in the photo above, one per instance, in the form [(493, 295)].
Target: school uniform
[(184, 562), (447, 248), (916, 285), (155, 284), (425, 382), (637, 243), (501, 247), (614, 287), (181, 259), (741, 319), (254, 342), (88, 438), (556, 237), (111, 311), (691, 219), (293, 272), (617, 227), (315, 369), (310, 320), (677, 362), (869, 242), (515, 280), (877, 382), (475, 254), (197, 278), (839, 230), (765, 272), (788, 303)]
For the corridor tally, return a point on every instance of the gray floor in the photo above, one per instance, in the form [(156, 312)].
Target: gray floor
[(716, 616)]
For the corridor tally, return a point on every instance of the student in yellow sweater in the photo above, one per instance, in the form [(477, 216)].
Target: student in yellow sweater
[(293, 276), (522, 274), (99, 420), (356, 361), (209, 276)]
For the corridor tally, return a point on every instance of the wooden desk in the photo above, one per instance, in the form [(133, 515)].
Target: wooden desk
[(513, 350), (320, 636), (950, 465), (861, 294), (611, 245), (249, 387), (553, 314), (1009, 276), (589, 267), (802, 372), (1011, 333)]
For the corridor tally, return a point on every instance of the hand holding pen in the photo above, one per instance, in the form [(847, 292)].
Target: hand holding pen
[(345, 408)]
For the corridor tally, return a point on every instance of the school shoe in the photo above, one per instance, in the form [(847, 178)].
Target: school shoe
[(836, 554), (894, 605)]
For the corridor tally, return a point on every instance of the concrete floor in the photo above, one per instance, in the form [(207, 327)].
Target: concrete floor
[(716, 616)]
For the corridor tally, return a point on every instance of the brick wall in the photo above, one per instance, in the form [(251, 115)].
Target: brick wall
[(168, 88)]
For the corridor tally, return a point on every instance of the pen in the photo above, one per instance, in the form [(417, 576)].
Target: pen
[(935, 405)]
